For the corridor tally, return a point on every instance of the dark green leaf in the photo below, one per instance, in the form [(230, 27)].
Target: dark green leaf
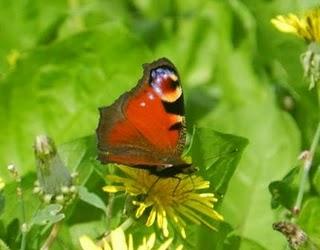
[(51, 32), (284, 192), (222, 239), (2, 202), (91, 198), (217, 155), (316, 179)]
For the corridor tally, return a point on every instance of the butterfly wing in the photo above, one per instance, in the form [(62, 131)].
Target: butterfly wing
[(146, 125)]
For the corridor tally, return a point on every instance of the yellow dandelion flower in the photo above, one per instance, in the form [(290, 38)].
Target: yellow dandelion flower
[(2, 184), (307, 26), (166, 200), (118, 242)]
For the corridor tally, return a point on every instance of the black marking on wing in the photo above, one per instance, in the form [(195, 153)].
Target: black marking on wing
[(176, 126), (174, 84), (175, 107)]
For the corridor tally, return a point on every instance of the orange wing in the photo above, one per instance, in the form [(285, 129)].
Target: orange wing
[(146, 125)]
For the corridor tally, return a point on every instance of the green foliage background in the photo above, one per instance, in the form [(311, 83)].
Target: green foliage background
[(237, 71)]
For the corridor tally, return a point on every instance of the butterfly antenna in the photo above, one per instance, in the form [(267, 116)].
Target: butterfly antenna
[(152, 186)]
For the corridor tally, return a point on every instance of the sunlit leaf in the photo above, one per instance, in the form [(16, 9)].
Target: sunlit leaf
[(316, 179), (48, 215), (56, 90), (217, 155), (309, 219), (91, 198)]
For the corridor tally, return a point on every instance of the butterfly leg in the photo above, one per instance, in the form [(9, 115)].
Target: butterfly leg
[(190, 176), (152, 186), (178, 183)]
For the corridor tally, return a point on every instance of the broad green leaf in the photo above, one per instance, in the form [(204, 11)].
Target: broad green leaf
[(239, 100), (274, 146), (316, 179), (229, 57), (12, 236), (284, 192), (31, 18), (217, 155), (309, 219), (2, 202), (247, 244), (80, 155), (3, 245), (91, 198), (56, 90), (49, 215), (223, 239)]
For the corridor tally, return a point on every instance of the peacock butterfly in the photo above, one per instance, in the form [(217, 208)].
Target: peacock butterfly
[(145, 127)]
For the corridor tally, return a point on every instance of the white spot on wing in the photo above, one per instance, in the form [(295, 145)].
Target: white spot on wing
[(142, 104), (157, 89), (150, 96)]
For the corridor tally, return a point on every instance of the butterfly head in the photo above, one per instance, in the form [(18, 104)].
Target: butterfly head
[(166, 83)]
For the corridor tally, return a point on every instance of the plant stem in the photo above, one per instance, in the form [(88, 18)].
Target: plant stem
[(110, 207), (52, 236), (24, 228), (306, 168), (126, 224)]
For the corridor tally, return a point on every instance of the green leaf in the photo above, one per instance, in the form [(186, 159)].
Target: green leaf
[(48, 215), (284, 192), (13, 208), (3, 245), (316, 179), (223, 239), (238, 98), (32, 18), (309, 219), (2, 203), (217, 155), (229, 57), (247, 244), (79, 155), (12, 235), (51, 32), (91, 198), (93, 229), (57, 89)]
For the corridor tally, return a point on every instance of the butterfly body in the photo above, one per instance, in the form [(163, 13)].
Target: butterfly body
[(145, 127)]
